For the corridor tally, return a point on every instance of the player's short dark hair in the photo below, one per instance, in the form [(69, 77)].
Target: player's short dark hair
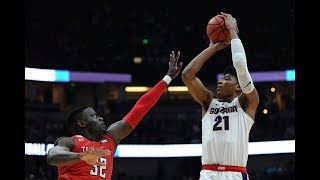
[(73, 115), (230, 70)]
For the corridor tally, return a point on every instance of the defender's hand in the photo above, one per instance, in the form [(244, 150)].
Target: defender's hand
[(174, 70)]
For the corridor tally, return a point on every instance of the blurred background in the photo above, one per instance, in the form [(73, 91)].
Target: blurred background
[(134, 39)]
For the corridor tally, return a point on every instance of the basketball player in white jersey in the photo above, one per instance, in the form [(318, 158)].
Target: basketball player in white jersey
[(228, 117)]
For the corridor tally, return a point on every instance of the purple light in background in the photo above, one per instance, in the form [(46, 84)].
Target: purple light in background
[(265, 76), (99, 77)]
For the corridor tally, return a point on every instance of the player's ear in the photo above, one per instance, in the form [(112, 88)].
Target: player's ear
[(238, 87), (81, 123)]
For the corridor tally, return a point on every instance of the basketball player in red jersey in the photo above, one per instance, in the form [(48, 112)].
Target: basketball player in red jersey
[(228, 116), (88, 154)]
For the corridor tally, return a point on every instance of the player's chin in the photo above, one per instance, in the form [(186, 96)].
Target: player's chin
[(103, 128)]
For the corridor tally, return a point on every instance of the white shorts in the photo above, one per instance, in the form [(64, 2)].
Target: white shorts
[(222, 175)]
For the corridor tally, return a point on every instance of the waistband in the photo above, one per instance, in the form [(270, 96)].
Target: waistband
[(219, 167)]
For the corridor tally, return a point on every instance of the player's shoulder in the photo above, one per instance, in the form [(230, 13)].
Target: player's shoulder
[(233, 101), (64, 140), (106, 138), (57, 140)]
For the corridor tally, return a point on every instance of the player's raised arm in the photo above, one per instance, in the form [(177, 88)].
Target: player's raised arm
[(249, 99), (198, 91), (124, 127)]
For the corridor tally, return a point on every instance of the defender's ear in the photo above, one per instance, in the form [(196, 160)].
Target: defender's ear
[(81, 123)]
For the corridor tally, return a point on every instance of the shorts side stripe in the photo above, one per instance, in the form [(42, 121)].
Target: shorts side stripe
[(245, 176)]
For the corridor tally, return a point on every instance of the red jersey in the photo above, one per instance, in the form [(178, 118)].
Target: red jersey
[(85, 171)]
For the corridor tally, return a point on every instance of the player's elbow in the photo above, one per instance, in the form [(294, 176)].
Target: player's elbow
[(49, 159), (186, 76)]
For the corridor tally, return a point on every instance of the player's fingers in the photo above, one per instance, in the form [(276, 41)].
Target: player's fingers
[(222, 16), (99, 153), (211, 43), (234, 20), (171, 58), (104, 153), (173, 54), (100, 149), (107, 151), (180, 66), (225, 14), (177, 57), (226, 42), (100, 164), (97, 150)]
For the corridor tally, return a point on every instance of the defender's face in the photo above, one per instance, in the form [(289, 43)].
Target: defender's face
[(227, 86), (94, 123)]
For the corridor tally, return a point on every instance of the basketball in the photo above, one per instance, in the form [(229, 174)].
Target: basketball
[(217, 30)]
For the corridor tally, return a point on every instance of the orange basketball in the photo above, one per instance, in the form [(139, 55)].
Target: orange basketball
[(217, 30)]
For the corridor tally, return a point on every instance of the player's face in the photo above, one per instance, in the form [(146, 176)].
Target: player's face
[(227, 86), (94, 123)]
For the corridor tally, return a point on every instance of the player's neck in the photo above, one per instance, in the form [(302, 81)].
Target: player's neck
[(91, 137), (228, 99)]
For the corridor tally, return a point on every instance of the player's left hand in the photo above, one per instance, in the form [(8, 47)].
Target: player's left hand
[(92, 155), (174, 70), (220, 45)]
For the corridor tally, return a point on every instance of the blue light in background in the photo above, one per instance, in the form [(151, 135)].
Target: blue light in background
[(116, 154), (290, 75), (62, 76)]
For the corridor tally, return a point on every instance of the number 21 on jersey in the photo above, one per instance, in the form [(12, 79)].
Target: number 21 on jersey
[(221, 123)]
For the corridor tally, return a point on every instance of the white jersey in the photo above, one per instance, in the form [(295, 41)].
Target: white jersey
[(225, 134)]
